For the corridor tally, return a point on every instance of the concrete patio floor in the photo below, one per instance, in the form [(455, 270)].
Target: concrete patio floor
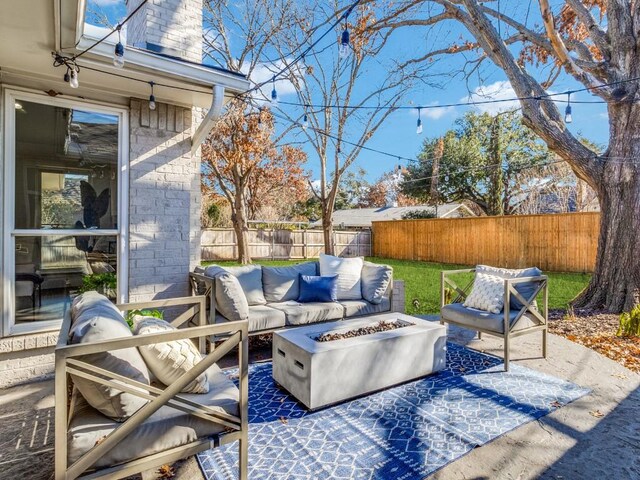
[(570, 443)]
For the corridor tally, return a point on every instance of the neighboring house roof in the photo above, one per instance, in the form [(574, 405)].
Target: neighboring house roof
[(363, 217)]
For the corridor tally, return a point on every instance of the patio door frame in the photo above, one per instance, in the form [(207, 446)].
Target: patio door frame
[(7, 204)]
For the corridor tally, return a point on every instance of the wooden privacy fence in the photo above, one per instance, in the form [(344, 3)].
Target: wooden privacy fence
[(556, 242), (220, 243)]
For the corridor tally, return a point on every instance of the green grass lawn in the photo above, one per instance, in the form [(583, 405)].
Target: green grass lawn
[(422, 282)]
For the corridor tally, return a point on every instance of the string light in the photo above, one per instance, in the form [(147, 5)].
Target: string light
[(305, 121), (118, 53), (567, 111), (345, 47), (152, 98), (419, 124), (73, 77), (274, 92)]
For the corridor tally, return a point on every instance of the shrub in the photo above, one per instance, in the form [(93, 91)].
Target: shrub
[(104, 283), (418, 214), (630, 323), (146, 312), (214, 214)]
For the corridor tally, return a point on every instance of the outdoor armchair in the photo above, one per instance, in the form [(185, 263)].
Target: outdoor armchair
[(170, 424), (511, 322)]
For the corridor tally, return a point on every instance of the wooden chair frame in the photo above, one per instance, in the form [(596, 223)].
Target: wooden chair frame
[(529, 308), (66, 363), (210, 293)]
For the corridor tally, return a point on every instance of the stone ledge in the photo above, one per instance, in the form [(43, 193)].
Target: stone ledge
[(28, 342)]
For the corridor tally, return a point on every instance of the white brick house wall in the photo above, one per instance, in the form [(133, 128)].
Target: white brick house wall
[(164, 201)]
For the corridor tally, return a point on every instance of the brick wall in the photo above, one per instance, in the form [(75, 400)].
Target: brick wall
[(175, 26), (164, 199), (26, 358)]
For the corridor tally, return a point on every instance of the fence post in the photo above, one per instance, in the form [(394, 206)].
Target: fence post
[(273, 244), (304, 244)]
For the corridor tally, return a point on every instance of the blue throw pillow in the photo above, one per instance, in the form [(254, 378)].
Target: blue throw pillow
[(318, 289)]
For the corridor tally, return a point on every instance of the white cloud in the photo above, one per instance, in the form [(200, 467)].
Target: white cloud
[(431, 111), (264, 72), (501, 90)]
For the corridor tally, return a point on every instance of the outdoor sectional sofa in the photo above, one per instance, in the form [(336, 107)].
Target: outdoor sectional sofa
[(268, 296)]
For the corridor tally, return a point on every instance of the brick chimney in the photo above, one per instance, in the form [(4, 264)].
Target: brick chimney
[(169, 27)]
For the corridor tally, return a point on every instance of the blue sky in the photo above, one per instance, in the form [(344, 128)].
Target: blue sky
[(398, 135)]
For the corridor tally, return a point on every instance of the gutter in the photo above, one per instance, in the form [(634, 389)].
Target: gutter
[(203, 130)]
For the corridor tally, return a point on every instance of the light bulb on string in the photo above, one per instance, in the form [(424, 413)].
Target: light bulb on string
[(152, 98), (419, 123), (118, 52), (345, 47), (67, 76), (305, 122), (73, 77), (274, 92), (567, 112)]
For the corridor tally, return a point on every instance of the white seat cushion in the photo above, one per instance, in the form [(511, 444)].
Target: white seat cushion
[(167, 428), (349, 272), (312, 312)]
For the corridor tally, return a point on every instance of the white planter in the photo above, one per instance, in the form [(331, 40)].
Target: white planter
[(324, 373)]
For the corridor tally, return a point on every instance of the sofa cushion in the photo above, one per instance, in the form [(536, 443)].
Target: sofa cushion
[(349, 272), (375, 281), (487, 293), (525, 289), (353, 308), (263, 317), (167, 428), (304, 313), (250, 278), (95, 318), (230, 299), (281, 284), (314, 288), (168, 361), (472, 318)]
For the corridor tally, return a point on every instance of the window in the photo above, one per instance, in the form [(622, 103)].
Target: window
[(63, 207)]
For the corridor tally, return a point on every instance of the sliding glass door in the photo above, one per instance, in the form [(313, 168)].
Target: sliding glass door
[(64, 207)]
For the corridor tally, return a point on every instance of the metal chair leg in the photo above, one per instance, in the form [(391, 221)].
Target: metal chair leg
[(506, 353), (479, 335), (544, 343)]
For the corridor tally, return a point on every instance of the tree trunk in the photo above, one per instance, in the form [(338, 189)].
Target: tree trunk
[(615, 284), (241, 227), (327, 230), (496, 191)]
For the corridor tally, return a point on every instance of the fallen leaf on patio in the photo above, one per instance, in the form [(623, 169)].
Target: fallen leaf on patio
[(556, 404), (621, 376), (166, 471), (596, 413), (462, 369), (282, 400), (284, 420)]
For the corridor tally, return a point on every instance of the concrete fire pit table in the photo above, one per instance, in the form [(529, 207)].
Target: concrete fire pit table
[(319, 373)]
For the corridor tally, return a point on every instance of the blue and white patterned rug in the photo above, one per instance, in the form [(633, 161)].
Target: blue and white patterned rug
[(407, 432)]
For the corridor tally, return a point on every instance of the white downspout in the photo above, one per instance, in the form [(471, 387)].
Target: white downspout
[(201, 133)]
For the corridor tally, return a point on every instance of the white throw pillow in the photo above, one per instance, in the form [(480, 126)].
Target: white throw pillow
[(168, 361), (487, 293), (349, 272)]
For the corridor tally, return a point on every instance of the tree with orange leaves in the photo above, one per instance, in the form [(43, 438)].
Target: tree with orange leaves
[(241, 160)]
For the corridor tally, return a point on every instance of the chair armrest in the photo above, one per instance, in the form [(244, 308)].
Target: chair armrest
[(462, 270), (397, 296), (209, 292), (515, 281)]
